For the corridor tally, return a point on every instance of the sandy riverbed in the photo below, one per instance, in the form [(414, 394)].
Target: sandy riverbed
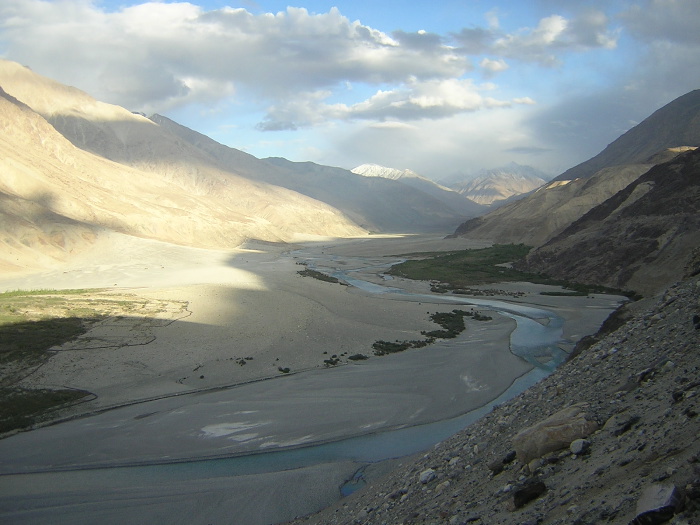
[(251, 303)]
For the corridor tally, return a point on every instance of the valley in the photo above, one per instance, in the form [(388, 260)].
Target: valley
[(174, 392)]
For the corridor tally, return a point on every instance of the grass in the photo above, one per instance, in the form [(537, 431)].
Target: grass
[(451, 272), (22, 408), (31, 323), (467, 267), (308, 272)]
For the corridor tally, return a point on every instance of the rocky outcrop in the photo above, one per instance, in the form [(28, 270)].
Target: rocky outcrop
[(640, 384)]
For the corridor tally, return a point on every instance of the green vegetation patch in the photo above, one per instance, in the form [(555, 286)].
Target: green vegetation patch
[(34, 321), (467, 267), (308, 272), (453, 323), (21, 408), (454, 271), (387, 347)]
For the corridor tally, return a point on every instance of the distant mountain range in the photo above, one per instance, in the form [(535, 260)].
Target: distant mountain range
[(487, 188), (459, 203), (632, 222), (75, 169), (497, 185)]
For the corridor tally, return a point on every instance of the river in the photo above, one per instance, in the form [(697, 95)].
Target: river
[(160, 457)]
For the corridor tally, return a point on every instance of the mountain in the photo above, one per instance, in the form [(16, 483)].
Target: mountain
[(375, 203), (641, 238), (116, 171), (542, 214), (449, 197), (499, 184), (546, 212), (378, 205), (675, 124)]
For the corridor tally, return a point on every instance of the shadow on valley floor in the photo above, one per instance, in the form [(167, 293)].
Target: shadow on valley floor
[(25, 347)]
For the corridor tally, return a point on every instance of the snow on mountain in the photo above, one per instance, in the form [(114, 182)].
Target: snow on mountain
[(448, 196)]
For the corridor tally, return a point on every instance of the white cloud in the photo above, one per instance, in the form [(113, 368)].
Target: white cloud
[(431, 99), (493, 66), (161, 47), (556, 34)]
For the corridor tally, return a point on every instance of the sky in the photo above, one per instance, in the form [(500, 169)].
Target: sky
[(443, 87)]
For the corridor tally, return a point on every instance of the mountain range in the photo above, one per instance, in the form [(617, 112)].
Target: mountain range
[(497, 186), (585, 228), (75, 168)]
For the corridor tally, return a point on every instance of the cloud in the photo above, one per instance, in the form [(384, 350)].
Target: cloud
[(493, 66), (556, 34), (431, 99), (180, 53), (664, 20)]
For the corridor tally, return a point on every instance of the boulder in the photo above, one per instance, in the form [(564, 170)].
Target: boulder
[(426, 476), (528, 492), (554, 433), (579, 446), (657, 504)]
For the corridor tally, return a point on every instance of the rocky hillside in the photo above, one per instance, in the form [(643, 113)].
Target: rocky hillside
[(609, 437), (638, 239), (538, 217), (545, 213), (675, 124), (499, 184)]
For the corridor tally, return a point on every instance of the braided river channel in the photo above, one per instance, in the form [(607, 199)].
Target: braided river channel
[(189, 458)]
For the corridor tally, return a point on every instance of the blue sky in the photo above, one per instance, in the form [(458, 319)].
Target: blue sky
[(440, 87)]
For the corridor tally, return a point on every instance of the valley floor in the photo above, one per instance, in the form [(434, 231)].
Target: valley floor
[(235, 318)]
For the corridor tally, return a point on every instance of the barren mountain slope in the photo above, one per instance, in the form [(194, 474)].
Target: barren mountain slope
[(373, 202), (675, 124), (499, 184), (56, 198), (384, 205), (638, 239), (542, 214), (455, 201)]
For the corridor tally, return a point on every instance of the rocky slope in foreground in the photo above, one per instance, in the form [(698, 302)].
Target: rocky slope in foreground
[(627, 430)]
